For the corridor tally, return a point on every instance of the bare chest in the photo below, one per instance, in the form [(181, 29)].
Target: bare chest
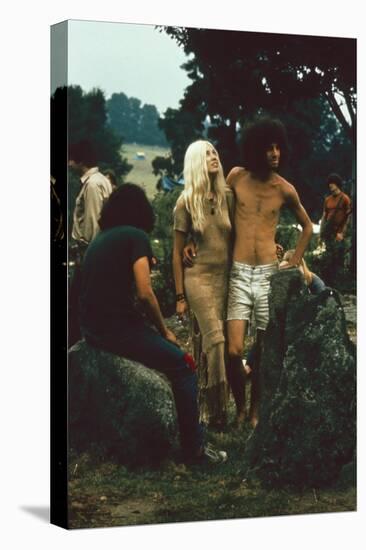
[(258, 202)]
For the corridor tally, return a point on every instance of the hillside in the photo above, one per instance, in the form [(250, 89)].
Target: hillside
[(141, 172)]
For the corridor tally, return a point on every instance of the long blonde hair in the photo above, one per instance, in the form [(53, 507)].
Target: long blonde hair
[(197, 182)]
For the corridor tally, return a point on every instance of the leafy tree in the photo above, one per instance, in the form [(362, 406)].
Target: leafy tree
[(86, 118), (163, 205), (301, 79), (120, 116), (309, 82), (262, 70), (134, 122), (149, 131), (181, 127)]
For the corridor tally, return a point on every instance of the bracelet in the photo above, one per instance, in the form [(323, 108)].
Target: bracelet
[(180, 297)]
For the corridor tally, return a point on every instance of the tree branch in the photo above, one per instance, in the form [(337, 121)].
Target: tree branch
[(340, 116)]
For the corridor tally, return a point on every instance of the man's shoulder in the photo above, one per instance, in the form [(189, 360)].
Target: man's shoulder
[(346, 198), (236, 174), (285, 186), (97, 179)]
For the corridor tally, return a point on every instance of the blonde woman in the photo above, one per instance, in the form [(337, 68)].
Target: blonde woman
[(203, 214)]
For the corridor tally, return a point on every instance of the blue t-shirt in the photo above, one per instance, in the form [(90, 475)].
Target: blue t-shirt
[(107, 298)]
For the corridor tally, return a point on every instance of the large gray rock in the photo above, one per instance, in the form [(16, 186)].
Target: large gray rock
[(119, 407), (306, 432)]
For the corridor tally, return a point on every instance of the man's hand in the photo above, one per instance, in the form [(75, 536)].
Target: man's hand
[(287, 265), (189, 253), (339, 237)]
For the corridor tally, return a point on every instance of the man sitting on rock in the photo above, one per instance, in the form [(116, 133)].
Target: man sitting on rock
[(117, 260)]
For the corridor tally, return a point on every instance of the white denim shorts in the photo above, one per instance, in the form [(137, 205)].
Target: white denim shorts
[(248, 292)]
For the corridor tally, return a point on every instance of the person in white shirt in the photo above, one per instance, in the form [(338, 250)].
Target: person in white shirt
[(95, 190)]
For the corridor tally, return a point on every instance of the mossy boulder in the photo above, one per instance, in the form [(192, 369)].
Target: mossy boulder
[(119, 408), (307, 428)]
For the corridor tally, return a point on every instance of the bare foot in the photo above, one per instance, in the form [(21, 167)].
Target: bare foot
[(240, 418), (254, 420), (218, 424), (247, 369)]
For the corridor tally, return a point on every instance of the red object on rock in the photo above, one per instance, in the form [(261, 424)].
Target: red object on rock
[(190, 361)]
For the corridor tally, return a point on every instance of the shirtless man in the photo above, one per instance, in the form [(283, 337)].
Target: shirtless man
[(260, 193)]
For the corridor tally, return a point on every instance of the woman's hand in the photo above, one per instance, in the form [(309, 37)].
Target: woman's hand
[(171, 337), (181, 308), (279, 252)]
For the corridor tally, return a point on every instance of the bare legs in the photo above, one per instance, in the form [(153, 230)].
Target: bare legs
[(236, 330), (235, 372), (255, 393)]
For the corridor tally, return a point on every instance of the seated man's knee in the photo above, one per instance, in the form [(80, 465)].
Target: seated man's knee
[(186, 367), (190, 362)]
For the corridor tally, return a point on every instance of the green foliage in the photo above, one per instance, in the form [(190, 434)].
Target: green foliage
[(87, 119), (288, 231), (163, 205), (318, 147), (174, 493), (292, 77), (133, 122), (181, 127), (335, 265), (265, 71)]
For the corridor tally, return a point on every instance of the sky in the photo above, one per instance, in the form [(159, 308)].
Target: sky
[(120, 57)]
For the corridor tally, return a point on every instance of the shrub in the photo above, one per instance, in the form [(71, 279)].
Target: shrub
[(162, 241)]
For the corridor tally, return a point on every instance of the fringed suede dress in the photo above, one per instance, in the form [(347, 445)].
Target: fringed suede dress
[(205, 287)]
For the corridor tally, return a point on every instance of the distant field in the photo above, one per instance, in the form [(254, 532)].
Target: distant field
[(141, 172)]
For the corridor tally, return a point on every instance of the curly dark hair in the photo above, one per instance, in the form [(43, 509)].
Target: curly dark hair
[(127, 205), (257, 138), (335, 178), (83, 152)]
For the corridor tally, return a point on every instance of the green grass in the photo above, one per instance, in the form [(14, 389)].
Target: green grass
[(105, 494), (141, 172)]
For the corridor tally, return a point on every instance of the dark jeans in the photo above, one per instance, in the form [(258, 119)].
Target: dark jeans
[(333, 269), (144, 345), (77, 253)]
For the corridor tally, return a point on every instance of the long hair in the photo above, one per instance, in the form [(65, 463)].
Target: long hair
[(256, 140), (127, 205), (197, 183)]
